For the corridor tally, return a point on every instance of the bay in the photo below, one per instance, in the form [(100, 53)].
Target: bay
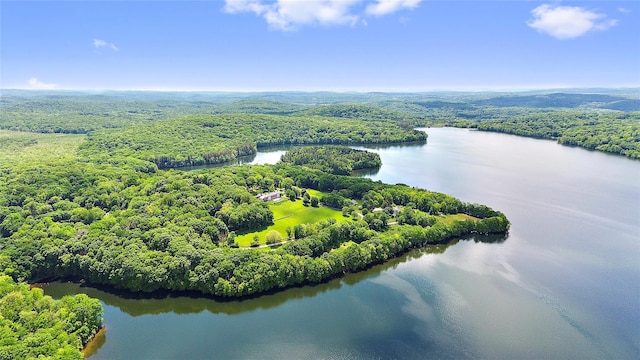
[(565, 283)]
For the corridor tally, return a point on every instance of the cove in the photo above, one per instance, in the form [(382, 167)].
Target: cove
[(564, 284)]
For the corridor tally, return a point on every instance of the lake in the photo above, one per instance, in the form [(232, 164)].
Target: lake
[(565, 283)]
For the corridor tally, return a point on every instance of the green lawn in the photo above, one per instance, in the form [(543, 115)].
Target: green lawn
[(287, 213), (449, 219)]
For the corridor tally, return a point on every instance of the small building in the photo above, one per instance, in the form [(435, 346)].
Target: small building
[(395, 209), (274, 195)]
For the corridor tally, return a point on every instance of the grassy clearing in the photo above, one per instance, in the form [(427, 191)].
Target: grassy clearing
[(288, 213), (450, 219), (28, 148)]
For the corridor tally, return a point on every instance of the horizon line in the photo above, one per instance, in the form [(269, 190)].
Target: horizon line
[(363, 91)]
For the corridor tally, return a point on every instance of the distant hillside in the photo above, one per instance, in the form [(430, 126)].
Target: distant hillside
[(257, 106), (357, 111), (56, 111), (82, 112), (564, 100)]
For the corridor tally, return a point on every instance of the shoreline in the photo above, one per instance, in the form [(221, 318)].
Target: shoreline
[(195, 294), (95, 343)]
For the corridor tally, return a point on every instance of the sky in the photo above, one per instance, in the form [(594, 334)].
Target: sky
[(315, 45)]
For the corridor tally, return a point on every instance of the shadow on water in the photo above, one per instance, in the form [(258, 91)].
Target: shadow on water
[(96, 343), (265, 155), (413, 144), (240, 160), (136, 304), (365, 172)]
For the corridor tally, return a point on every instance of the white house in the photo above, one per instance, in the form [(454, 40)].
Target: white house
[(275, 195)]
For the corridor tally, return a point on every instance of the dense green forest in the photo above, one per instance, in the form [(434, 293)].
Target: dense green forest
[(171, 229), (360, 111), (34, 326), (337, 160), (211, 139)]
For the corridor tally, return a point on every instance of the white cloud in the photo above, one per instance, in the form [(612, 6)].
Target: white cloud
[(624, 10), (291, 14), (37, 84), (384, 7), (566, 22), (97, 43)]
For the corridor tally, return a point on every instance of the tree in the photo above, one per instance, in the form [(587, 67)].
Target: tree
[(273, 237), (298, 231), (291, 194), (231, 238), (314, 201), (256, 241)]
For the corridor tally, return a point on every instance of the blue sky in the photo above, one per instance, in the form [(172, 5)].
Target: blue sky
[(340, 45)]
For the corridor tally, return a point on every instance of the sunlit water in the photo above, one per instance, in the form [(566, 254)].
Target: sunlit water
[(564, 284)]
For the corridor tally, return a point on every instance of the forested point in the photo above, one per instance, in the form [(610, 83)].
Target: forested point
[(34, 326), (337, 160), (174, 230)]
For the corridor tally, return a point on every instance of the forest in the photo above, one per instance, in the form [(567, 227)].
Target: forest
[(34, 326), (92, 189)]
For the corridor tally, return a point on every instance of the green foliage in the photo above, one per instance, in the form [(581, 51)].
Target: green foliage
[(256, 241), (200, 140), (338, 160), (256, 106), (335, 200), (564, 100), (36, 326), (82, 113), (18, 148), (273, 237), (366, 112)]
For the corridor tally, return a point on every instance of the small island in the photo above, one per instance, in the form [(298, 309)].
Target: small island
[(337, 160)]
